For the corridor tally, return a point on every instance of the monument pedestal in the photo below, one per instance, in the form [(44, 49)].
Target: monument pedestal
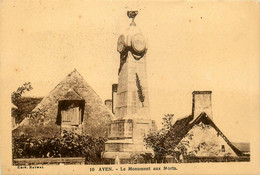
[(126, 138)]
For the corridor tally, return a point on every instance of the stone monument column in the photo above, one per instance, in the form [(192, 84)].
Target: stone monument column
[(132, 108), (132, 92)]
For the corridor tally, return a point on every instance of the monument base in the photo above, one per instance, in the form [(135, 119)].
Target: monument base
[(125, 139)]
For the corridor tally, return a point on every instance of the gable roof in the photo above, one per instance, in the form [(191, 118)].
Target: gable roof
[(71, 95), (183, 126), (181, 123), (96, 115), (27, 104)]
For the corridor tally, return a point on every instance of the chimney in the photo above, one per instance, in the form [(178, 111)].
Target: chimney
[(108, 103), (114, 95), (201, 102)]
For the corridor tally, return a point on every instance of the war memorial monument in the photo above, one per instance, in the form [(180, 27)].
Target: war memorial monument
[(132, 123)]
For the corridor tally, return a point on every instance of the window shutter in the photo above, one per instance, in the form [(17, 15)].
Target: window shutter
[(71, 116), (74, 113)]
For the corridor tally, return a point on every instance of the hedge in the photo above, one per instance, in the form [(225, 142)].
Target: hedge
[(69, 145)]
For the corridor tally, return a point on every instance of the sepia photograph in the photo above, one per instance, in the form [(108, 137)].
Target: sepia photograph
[(129, 87)]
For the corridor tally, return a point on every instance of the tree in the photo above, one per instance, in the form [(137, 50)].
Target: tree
[(159, 141), (16, 99), (16, 95)]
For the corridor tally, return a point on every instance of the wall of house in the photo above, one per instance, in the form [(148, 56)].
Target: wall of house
[(203, 140)]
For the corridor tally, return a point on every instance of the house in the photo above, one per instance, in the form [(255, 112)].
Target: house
[(202, 138), (198, 136), (72, 105)]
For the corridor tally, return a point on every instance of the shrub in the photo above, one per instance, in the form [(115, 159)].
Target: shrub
[(69, 145)]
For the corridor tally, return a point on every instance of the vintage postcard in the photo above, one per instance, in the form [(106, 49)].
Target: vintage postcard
[(129, 87)]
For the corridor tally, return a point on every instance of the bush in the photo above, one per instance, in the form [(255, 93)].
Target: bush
[(69, 145), (160, 141)]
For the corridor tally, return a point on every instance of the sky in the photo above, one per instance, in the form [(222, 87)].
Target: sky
[(192, 45)]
